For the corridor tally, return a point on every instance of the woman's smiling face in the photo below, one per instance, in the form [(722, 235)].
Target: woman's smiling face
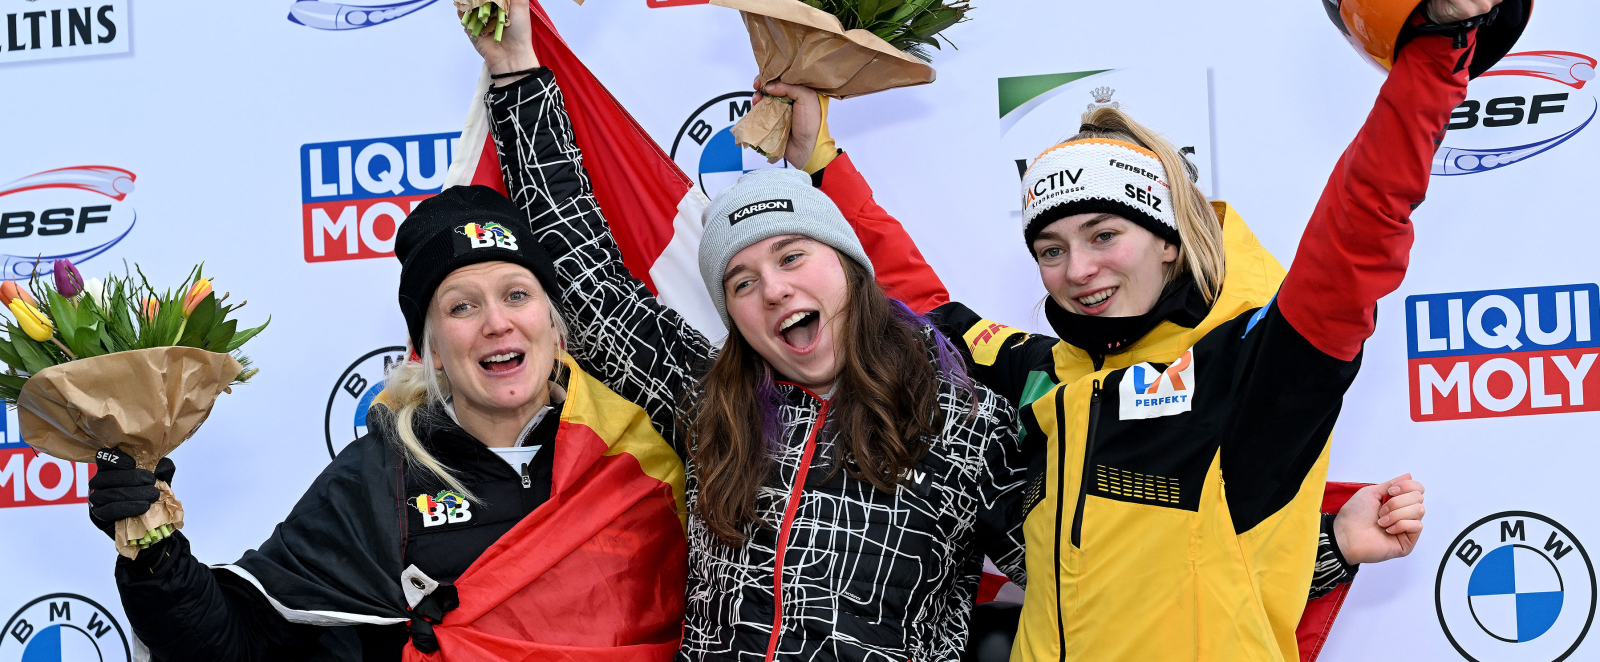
[(785, 295), (494, 337), (1102, 264)]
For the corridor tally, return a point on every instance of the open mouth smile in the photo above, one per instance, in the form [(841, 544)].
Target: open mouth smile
[(503, 362), (799, 330), (1096, 301)]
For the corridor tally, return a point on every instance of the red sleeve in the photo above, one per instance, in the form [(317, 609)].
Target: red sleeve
[(901, 271), (1357, 245)]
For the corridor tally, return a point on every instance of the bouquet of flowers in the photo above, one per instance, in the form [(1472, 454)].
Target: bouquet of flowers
[(116, 364), (841, 48), (480, 17)]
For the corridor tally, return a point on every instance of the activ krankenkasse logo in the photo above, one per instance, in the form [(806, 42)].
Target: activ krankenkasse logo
[(1515, 587), (63, 627), (324, 15), (1511, 352), (705, 149), (1525, 105)]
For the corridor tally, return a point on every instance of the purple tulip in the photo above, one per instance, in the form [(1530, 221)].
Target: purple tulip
[(68, 281)]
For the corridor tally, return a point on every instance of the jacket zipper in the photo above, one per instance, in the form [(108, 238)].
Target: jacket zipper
[(1061, 485), (1088, 453), (788, 521)]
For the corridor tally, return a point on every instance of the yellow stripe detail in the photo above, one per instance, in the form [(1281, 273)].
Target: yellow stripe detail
[(986, 338), (626, 428)]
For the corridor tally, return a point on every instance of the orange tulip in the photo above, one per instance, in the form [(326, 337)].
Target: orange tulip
[(151, 307), (10, 291), (198, 293)]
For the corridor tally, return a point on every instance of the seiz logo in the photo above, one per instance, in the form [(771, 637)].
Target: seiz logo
[(1149, 392), (355, 193), (324, 15), (1525, 105), (1512, 352)]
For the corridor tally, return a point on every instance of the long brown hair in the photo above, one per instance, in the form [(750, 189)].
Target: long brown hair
[(885, 407)]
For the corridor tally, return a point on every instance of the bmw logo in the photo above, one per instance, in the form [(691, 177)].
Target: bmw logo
[(353, 394), (63, 627), (1515, 586), (704, 147)]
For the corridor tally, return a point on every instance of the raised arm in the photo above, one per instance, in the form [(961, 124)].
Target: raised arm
[(620, 333), (1358, 243)]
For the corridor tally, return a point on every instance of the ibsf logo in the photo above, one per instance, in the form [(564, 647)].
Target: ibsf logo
[(71, 213), (1510, 352), (63, 627), (1515, 586), (353, 395), (1522, 107), (355, 193), (53, 29), (349, 16), (1148, 391), (705, 149)]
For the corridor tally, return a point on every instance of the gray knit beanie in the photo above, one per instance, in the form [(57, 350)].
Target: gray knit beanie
[(763, 204)]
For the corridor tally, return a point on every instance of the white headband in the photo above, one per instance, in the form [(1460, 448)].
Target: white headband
[(1098, 175)]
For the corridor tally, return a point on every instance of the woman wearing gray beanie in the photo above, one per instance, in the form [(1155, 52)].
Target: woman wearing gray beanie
[(845, 479)]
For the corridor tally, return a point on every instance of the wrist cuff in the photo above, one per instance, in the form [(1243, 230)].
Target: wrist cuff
[(825, 150)]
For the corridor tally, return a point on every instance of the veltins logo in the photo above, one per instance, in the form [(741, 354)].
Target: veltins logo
[(63, 627), (349, 16), (353, 394), (1515, 586), (355, 193), (705, 148), (53, 29), (1524, 106), (1512, 352), (1150, 392), (71, 213)]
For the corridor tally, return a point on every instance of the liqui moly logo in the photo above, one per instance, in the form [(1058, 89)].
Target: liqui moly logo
[(1514, 352), (355, 193)]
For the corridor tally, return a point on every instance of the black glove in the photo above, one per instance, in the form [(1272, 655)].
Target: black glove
[(119, 489)]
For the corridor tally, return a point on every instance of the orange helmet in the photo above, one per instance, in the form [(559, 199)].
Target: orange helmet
[(1374, 29)]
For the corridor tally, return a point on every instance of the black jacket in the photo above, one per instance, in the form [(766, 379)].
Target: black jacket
[(336, 560)]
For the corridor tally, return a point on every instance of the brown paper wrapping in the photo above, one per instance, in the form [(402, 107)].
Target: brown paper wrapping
[(798, 44), (145, 402), (465, 6)]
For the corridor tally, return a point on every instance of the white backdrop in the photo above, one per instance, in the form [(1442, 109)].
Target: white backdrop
[(213, 111)]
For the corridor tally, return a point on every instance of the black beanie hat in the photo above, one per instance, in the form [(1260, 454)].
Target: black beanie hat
[(462, 226)]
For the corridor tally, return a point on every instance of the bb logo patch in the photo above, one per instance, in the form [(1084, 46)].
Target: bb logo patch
[(762, 207), (1150, 393), (484, 235), (444, 507)]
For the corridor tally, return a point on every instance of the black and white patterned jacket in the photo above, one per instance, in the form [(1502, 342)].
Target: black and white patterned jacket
[(865, 574)]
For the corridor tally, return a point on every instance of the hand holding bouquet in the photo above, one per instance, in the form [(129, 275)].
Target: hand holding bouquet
[(840, 48), (116, 364)]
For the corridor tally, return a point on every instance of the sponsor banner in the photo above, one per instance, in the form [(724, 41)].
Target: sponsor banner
[(51, 29), (1524, 106), (324, 15), (76, 213), (705, 149), (1512, 352), (355, 193), (345, 418), (64, 627), (1515, 587)]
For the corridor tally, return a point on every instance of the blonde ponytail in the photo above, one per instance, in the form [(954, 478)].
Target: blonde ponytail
[(1200, 251)]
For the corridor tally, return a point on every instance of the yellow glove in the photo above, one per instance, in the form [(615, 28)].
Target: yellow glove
[(824, 152)]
